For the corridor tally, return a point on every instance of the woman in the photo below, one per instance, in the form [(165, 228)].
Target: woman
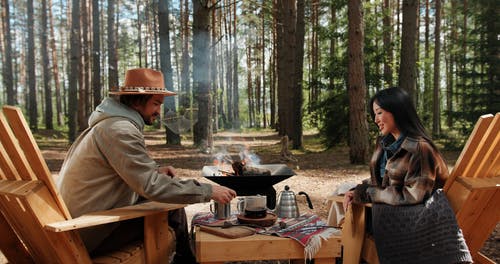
[(407, 169)]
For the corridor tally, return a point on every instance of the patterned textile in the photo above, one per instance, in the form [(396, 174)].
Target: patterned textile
[(424, 233), (307, 229)]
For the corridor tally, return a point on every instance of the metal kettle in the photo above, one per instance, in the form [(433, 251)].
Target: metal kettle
[(287, 203)]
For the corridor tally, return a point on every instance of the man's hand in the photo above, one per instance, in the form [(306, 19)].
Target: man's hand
[(222, 194), (168, 170)]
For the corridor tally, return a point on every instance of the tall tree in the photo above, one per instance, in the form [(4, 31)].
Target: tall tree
[(185, 93), (96, 53), (387, 40), (358, 127), (286, 64), (73, 70), (201, 82), (169, 109), (112, 51), (296, 135), (234, 69), (7, 76), (407, 71), (46, 67), (436, 111), (30, 68), (55, 67)]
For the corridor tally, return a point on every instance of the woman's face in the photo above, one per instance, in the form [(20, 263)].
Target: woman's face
[(385, 121)]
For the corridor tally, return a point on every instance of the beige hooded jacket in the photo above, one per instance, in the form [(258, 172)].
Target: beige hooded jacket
[(108, 166)]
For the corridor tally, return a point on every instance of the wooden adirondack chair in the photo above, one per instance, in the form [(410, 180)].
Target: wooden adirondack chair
[(35, 224), (473, 190)]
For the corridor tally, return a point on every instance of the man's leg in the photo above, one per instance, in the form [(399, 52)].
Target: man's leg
[(177, 220)]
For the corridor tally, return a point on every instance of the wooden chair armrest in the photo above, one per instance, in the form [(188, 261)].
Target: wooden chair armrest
[(111, 216)]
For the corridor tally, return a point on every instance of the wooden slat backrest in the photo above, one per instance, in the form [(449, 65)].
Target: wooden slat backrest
[(31, 206), (478, 143), (24, 152)]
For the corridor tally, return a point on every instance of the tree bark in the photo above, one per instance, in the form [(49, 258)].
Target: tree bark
[(201, 82), (7, 76), (358, 127), (407, 71), (387, 40), (436, 120), (73, 72), (96, 53), (296, 134), (30, 67), (46, 67), (169, 109), (112, 55)]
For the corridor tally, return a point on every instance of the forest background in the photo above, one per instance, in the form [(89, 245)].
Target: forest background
[(289, 65)]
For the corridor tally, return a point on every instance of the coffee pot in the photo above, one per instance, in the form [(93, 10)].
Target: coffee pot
[(287, 203)]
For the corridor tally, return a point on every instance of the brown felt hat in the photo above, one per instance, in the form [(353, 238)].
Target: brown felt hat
[(143, 81)]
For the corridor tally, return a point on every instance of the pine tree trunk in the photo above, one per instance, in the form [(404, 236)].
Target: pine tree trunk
[(73, 72), (7, 76), (112, 55), (388, 46), (436, 120), (55, 67), (358, 127), (201, 82), (296, 135), (169, 109), (96, 54), (407, 72), (235, 93), (30, 67), (46, 67)]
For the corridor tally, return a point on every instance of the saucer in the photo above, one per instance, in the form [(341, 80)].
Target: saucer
[(266, 221)]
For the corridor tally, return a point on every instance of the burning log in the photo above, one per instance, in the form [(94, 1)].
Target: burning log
[(241, 169)]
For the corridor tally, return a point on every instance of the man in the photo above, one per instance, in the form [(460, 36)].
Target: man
[(108, 167)]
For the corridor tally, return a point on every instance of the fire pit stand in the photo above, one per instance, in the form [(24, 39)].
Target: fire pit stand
[(252, 184)]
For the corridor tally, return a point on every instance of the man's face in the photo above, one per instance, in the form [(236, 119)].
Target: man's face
[(151, 110)]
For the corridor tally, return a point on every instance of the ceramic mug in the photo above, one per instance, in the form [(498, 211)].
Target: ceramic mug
[(253, 206)]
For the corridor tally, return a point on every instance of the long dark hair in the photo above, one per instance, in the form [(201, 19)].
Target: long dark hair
[(397, 101)]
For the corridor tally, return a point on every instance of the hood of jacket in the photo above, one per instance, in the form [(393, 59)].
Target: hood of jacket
[(111, 107)]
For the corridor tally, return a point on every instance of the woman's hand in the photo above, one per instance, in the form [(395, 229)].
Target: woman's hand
[(348, 197)]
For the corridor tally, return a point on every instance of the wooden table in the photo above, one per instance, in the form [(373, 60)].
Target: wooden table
[(214, 249)]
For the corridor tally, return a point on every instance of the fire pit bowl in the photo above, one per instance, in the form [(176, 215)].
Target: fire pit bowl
[(279, 172)]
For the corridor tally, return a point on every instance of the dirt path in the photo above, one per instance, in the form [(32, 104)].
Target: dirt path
[(318, 171)]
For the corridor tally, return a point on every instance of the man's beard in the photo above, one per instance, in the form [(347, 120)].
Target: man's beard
[(150, 121)]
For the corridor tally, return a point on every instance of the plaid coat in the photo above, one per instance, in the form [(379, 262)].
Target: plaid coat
[(412, 174)]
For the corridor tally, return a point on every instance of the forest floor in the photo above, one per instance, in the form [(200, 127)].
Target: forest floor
[(318, 170)]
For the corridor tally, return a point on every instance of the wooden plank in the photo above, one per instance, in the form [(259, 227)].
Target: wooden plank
[(478, 217), (26, 226), (14, 151), (111, 216), (470, 147), (9, 171), (482, 259), (30, 149), (369, 251), (214, 249), (67, 246), (487, 152), (11, 246), (159, 238), (353, 233)]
